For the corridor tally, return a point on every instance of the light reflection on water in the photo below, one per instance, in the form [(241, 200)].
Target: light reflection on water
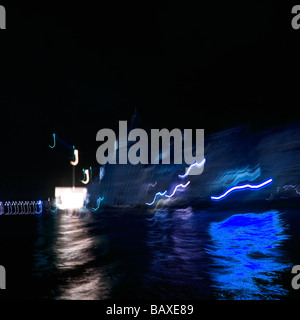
[(247, 256), (74, 258), (172, 254), (177, 241), (73, 242)]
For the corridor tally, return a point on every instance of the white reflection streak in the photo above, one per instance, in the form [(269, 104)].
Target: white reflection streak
[(74, 252)]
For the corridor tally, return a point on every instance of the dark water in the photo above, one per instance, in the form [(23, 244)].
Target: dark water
[(169, 254)]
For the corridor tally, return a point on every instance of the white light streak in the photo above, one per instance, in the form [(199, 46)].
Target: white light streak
[(76, 158), (196, 164)]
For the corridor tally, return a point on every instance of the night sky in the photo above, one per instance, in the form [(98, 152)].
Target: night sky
[(74, 70)]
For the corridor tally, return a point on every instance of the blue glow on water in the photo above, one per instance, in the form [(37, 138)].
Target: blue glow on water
[(242, 187), (247, 256)]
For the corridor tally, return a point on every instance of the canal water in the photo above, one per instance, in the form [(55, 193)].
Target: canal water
[(126, 254)]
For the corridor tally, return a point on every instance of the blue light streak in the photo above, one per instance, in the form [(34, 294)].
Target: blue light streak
[(101, 173), (245, 186), (54, 142), (85, 204), (234, 177), (84, 176), (99, 200), (63, 143), (73, 156), (54, 210), (40, 204), (196, 164)]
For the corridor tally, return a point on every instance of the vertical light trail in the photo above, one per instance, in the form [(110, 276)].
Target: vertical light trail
[(40, 204), (86, 178), (76, 158), (54, 142)]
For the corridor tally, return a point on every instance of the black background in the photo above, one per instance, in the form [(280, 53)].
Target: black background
[(73, 69)]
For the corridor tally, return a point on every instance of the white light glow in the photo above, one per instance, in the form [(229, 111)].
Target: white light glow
[(194, 165), (70, 198), (76, 158), (87, 177)]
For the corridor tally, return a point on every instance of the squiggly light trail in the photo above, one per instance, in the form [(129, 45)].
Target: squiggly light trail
[(152, 185), (196, 164), (168, 196), (245, 186), (180, 185), (99, 200), (157, 194)]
